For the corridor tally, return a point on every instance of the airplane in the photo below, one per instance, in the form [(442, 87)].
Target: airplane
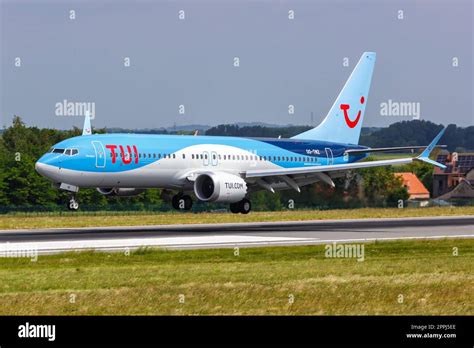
[(222, 169)]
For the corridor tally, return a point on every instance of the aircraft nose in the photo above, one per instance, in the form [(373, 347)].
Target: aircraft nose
[(46, 170), (40, 168)]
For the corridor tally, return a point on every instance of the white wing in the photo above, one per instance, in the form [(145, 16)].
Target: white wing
[(295, 177)]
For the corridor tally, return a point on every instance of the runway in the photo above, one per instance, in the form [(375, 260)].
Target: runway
[(229, 235)]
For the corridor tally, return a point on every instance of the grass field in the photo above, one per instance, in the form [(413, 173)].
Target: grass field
[(403, 277), (79, 219), (386, 156)]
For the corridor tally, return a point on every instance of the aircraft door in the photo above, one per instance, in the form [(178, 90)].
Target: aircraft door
[(99, 154), (214, 158), (205, 158), (330, 157)]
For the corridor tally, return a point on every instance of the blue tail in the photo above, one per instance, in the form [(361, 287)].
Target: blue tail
[(344, 121)]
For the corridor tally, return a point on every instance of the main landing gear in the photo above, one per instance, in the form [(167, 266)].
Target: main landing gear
[(73, 205), (244, 206), (182, 202)]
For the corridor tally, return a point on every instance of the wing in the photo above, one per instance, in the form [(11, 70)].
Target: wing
[(291, 176)]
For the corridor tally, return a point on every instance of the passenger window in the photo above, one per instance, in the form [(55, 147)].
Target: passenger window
[(184, 156)]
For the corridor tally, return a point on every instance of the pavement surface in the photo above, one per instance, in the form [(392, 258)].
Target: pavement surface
[(229, 235)]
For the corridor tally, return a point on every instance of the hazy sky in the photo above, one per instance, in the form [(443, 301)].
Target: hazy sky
[(190, 62)]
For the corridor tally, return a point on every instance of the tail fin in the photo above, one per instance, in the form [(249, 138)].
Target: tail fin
[(344, 121), (86, 129)]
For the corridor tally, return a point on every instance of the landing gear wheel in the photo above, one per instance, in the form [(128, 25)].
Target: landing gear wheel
[(73, 205), (234, 208), (188, 202), (175, 201), (180, 202), (245, 206)]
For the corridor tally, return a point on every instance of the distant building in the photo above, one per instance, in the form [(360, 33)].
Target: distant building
[(414, 186), (457, 180)]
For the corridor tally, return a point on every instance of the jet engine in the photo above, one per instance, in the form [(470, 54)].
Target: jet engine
[(220, 187)]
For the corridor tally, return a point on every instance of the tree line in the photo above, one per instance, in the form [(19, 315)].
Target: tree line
[(404, 133)]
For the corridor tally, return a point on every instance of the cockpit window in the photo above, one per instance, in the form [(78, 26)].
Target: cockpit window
[(50, 150), (71, 152), (58, 151)]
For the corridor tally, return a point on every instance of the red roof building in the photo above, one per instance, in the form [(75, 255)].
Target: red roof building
[(414, 186)]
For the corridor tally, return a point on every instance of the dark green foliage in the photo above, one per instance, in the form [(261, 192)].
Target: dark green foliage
[(405, 133), (256, 131), (417, 132)]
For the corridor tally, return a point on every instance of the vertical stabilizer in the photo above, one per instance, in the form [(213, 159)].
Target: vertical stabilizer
[(344, 121)]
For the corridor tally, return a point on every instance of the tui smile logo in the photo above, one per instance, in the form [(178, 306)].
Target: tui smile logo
[(346, 107)]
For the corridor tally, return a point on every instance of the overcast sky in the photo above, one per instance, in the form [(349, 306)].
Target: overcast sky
[(190, 61)]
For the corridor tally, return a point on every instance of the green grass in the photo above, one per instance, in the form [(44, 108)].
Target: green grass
[(387, 156), (18, 221), (259, 281)]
